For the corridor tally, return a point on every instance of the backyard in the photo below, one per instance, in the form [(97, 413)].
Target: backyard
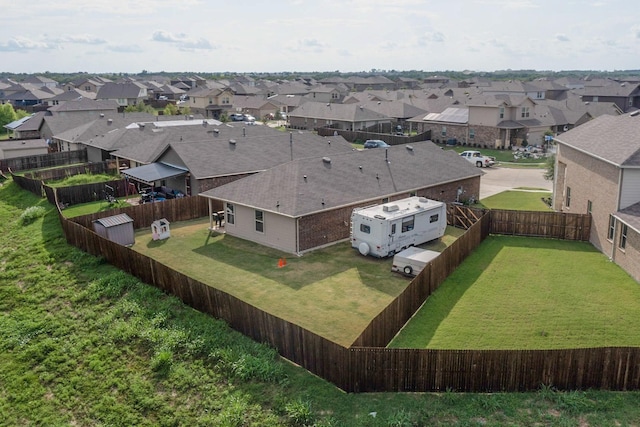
[(529, 293), (334, 292)]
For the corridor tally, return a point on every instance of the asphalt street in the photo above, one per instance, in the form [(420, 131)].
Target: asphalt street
[(497, 179)]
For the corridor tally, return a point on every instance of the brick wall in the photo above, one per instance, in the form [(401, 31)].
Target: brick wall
[(592, 180), (331, 226), (629, 258)]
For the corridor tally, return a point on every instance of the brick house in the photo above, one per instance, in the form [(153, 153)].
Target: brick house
[(314, 115), (306, 204), (598, 172)]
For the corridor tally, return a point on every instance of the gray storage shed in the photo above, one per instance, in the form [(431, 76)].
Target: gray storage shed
[(117, 228)]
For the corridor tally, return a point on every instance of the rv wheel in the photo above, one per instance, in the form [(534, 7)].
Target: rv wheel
[(408, 270), (363, 248)]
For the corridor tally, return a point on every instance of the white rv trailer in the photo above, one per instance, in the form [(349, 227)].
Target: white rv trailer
[(383, 230)]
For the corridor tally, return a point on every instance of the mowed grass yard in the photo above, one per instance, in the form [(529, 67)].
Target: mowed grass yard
[(529, 293), (519, 199), (334, 292)]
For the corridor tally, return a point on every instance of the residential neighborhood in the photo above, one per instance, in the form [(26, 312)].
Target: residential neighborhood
[(203, 152)]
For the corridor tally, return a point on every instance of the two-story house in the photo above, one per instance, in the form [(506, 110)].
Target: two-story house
[(211, 102), (125, 94), (597, 172)]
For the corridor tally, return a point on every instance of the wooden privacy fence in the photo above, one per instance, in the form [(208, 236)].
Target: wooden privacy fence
[(367, 366), (34, 181), (382, 369), (173, 210), (389, 138), (108, 167), (557, 225), (84, 193), (43, 160)]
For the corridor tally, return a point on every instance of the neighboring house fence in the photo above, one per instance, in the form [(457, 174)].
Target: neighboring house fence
[(43, 161), (34, 182), (390, 139), (367, 366)]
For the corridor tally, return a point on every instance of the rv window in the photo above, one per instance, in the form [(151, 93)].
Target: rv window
[(393, 229), (365, 228), (407, 224), (433, 218)]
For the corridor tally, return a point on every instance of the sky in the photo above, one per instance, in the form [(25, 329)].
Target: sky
[(248, 36)]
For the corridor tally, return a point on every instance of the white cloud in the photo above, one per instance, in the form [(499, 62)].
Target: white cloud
[(181, 40), (80, 39), (22, 44), (562, 38)]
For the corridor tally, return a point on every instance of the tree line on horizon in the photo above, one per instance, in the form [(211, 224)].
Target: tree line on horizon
[(524, 75)]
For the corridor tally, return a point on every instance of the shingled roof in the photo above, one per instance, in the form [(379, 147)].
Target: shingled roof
[(309, 185), (611, 138)]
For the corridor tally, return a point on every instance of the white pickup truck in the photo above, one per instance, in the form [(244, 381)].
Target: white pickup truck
[(478, 159)]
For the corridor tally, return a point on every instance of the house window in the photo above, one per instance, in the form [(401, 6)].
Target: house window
[(385, 200), (393, 229), (225, 100), (365, 228), (334, 96), (87, 88), (210, 101), (472, 133), (407, 223), (259, 221), (539, 95), (502, 112), (589, 206), (434, 218), (524, 112), (194, 100), (413, 194), (444, 131), (121, 101), (612, 227), (568, 203), (623, 236), (595, 99), (231, 214)]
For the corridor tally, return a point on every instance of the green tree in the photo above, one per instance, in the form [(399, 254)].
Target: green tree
[(170, 109), (7, 115), (186, 110), (140, 108), (550, 168)]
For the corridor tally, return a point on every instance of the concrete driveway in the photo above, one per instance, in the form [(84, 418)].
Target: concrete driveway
[(499, 179)]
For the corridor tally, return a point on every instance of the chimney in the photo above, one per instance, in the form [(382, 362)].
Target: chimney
[(109, 121)]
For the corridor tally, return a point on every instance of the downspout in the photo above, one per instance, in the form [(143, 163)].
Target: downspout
[(615, 224), (298, 236), (210, 202)]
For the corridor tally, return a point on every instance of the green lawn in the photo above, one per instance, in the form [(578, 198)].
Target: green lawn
[(84, 344), (94, 207), (528, 293), (519, 199), (334, 292)]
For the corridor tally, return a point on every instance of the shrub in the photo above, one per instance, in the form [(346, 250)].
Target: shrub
[(298, 412), (161, 362), (31, 214)]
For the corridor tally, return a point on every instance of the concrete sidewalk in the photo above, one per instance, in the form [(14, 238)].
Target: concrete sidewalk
[(498, 179)]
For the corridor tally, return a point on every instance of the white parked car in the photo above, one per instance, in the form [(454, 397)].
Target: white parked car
[(478, 159)]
